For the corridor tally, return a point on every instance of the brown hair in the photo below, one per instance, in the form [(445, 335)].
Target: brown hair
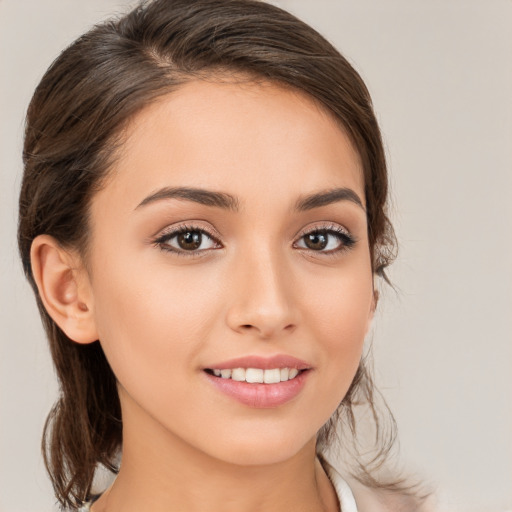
[(73, 125)]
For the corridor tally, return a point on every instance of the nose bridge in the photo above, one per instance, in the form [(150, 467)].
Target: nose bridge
[(262, 298)]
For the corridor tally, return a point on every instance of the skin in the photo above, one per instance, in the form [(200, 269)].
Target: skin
[(257, 290)]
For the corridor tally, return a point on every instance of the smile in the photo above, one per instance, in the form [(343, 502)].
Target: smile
[(257, 375), (260, 381)]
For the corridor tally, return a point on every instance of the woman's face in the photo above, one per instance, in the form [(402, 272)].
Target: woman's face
[(234, 226)]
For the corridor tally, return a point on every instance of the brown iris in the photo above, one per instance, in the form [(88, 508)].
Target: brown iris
[(317, 240), (189, 240)]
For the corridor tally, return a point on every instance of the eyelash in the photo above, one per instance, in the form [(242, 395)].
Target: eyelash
[(346, 240), (165, 237)]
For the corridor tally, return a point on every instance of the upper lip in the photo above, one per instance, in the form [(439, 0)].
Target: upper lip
[(262, 362)]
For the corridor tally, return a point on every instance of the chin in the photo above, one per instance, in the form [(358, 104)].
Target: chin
[(261, 449)]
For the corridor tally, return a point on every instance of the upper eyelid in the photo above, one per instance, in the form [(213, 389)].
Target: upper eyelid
[(325, 226), (169, 233), (190, 225), (344, 235), (174, 230)]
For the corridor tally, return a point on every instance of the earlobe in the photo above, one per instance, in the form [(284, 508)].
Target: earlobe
[(373, 307), (64, 289), (375, 300)]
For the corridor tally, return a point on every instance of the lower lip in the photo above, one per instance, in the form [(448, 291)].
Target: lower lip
[(260, 395)]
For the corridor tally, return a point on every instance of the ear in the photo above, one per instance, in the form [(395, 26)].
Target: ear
[(375, 300), (64, 288), (373, 307)]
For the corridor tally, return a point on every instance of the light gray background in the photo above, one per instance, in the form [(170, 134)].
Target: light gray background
[(440, 72)]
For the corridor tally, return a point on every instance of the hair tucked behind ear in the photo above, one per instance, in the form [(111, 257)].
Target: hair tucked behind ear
[(74, 131)]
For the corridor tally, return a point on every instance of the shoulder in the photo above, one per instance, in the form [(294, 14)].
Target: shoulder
[(357, 497)]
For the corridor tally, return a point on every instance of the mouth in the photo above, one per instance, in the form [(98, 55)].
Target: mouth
[(260, 381), (256, 375)]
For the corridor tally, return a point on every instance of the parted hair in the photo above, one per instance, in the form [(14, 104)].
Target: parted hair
[(74, 128)]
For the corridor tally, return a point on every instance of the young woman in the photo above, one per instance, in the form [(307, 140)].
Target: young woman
[(203, 220)]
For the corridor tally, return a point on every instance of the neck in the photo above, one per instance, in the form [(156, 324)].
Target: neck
[(162, 473)]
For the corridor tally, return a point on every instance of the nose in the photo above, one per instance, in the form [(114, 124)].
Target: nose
[(262, 299)]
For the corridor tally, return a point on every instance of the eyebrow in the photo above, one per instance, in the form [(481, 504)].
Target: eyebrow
[(326, 197), (197, 195), (229, 202)]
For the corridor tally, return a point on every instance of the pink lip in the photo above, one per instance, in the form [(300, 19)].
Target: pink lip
[(265, 363), (263, 396)]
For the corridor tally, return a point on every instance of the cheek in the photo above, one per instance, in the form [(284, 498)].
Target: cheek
[(154, 322), (341, 301), (341, 316)]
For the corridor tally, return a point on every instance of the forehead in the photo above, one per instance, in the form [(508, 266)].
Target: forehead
[(245, 136)]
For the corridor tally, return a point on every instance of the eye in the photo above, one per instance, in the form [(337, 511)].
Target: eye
[(187, 239), (332, 239)]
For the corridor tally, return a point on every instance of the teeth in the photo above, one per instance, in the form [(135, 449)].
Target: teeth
[(272, 376), (254, 375), (238, 374), (257, 375)]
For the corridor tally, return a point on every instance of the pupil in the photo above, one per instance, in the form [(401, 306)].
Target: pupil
[(189, 240), (317, 240)]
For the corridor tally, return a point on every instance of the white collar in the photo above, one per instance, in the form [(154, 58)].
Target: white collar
[(345, 495)]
